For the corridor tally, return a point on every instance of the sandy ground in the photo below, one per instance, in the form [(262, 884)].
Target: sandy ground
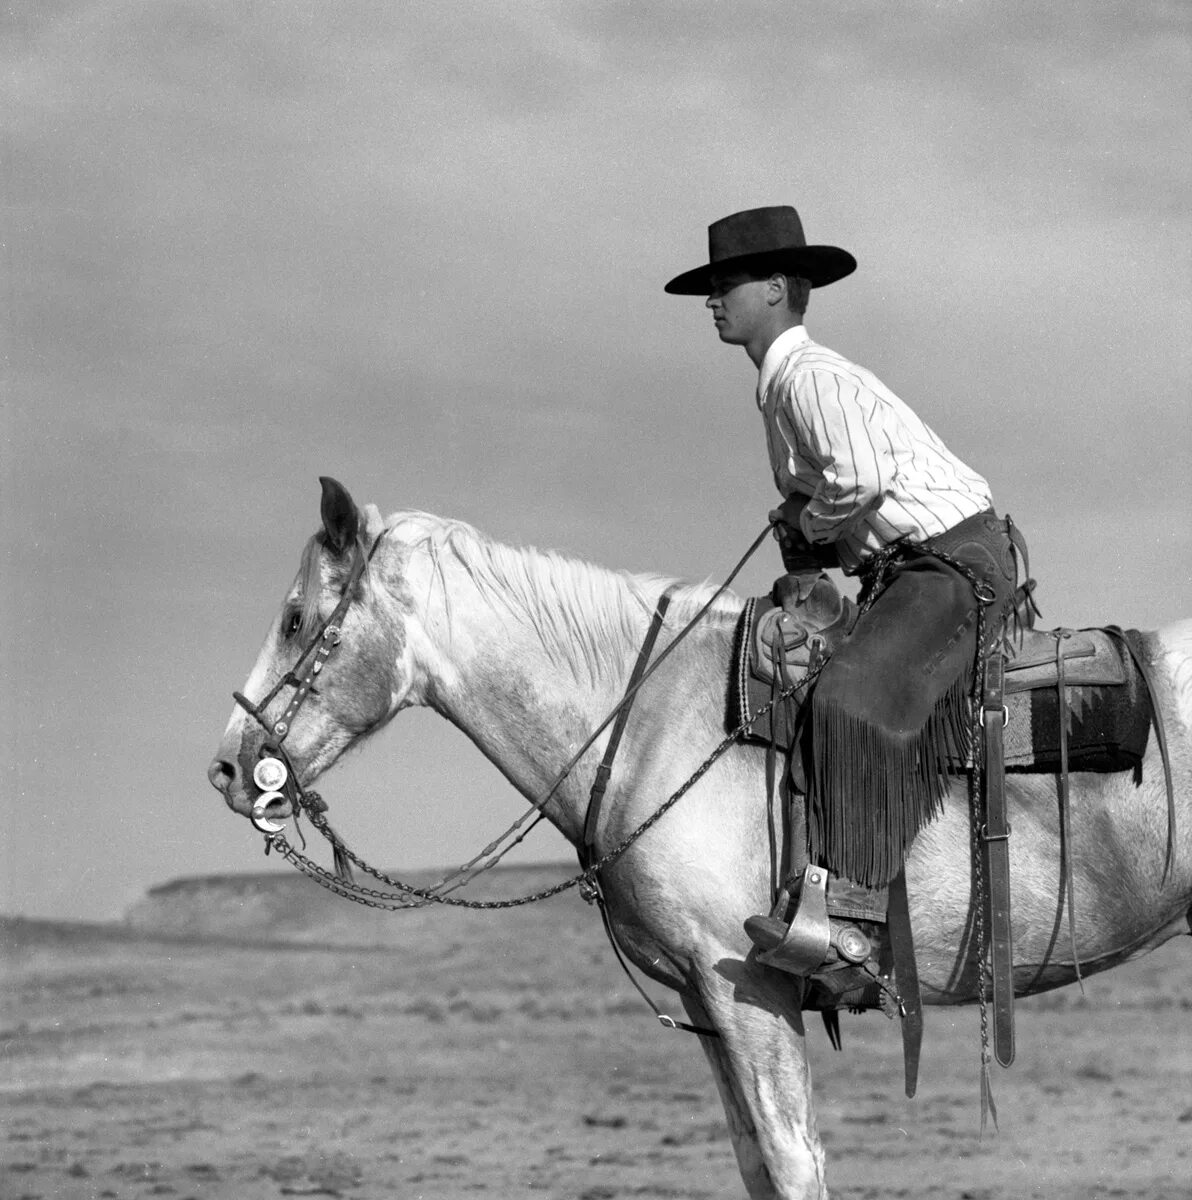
[(249, 1038)]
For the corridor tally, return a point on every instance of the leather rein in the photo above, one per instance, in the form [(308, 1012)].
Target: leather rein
[(276, 776)]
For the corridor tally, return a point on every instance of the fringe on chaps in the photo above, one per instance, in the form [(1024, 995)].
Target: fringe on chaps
[(891, 707), (873, 790)]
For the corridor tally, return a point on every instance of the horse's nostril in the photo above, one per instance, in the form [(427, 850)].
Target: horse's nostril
[(221, 774)]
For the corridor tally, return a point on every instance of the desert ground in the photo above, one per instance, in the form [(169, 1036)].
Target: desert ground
[(251, 1037)]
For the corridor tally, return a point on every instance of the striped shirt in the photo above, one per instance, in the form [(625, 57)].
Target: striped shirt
[(873, 470)]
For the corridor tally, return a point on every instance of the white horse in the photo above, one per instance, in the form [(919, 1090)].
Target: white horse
[(528, 652)]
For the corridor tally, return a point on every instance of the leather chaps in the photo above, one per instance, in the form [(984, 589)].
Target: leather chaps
[(890, 708)]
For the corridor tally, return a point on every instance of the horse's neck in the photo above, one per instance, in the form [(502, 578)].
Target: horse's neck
[(503, 674)]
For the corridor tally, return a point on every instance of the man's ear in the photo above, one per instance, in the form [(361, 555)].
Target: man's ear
[(341, 521)]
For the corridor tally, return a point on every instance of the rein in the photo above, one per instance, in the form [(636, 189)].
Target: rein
[(275, 772), (314, 807), (592, 892)]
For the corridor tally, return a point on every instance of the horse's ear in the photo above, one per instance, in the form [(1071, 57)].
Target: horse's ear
[(340, 518)]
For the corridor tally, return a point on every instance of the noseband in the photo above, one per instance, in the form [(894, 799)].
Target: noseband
[(274, 773)]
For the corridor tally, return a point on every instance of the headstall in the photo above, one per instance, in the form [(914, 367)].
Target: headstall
[(274, 773)]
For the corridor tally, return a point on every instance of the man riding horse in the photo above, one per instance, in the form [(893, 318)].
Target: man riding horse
[(868, 487)]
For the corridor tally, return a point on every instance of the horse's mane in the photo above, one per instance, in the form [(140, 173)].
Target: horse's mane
[(584, 615)]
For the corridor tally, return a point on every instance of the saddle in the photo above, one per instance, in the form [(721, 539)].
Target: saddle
[(1067, 700), (1104, 709)]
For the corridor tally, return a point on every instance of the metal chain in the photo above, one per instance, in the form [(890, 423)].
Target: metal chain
[(492, 854), (416, 897), (412, 896), (976, 816), (976, 779), (488, 857)]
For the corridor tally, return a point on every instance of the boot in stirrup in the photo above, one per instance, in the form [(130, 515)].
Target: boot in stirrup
[(796, 943)]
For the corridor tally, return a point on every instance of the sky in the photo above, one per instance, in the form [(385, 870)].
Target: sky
[(421, 248)]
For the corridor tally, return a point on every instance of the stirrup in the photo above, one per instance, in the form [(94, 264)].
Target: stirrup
[(801, 946)]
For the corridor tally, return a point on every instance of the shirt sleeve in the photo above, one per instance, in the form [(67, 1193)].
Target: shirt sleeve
[(836, 426)]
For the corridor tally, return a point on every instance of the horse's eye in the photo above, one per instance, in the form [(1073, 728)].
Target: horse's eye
[(291, 625)]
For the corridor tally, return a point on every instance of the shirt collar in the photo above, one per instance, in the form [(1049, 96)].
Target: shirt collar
[(780, 348)]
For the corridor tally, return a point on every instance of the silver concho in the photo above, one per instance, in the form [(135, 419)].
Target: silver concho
[(853, 945), (270, 774)]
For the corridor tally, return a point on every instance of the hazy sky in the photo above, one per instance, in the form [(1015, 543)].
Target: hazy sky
[(421, 247)]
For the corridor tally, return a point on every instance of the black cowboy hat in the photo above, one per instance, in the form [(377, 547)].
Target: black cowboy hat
[(764, 239)]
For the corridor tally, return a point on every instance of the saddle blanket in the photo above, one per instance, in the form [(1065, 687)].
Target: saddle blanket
[(1106, 709)]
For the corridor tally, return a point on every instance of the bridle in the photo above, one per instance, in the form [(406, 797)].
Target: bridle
[(274, 772), (275, 775)]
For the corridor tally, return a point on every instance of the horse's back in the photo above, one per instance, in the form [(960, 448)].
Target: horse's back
[(1125, 901), (1172, 648)]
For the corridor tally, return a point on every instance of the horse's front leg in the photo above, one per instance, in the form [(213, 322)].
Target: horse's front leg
[(760, 1065)]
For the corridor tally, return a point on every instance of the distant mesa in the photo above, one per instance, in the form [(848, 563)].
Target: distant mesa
[(289, 908)]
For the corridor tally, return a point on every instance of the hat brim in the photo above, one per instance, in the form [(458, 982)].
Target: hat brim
[(819, 265)]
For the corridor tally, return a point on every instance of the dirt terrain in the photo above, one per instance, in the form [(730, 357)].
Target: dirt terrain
[(250, 1037)]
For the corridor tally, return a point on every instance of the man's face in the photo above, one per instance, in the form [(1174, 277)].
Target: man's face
[(739, 304)]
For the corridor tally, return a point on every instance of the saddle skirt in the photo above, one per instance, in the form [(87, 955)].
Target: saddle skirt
[(1105, 704)]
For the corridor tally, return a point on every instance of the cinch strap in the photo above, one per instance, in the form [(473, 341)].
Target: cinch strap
[(587, 849)]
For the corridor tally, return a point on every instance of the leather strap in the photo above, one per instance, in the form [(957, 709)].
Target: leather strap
[(664, 1019), (587, 850), (321, 646), (906, 977), (1061, 684), (995, 837), (772, 750), (302, 678)]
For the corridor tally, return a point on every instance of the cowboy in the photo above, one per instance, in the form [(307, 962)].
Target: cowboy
[(868, 487)]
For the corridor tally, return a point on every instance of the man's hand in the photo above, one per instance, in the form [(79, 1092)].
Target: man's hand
[(798, 554), (794, 546), (789, 512)]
